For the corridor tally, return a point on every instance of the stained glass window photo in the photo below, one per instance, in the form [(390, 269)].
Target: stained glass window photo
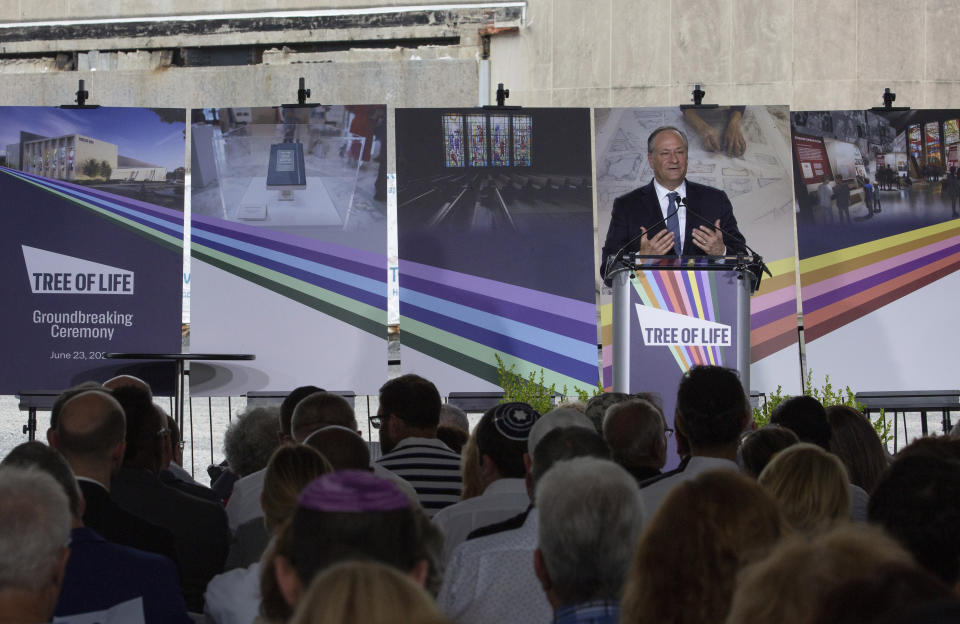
[(500, 140), (453, 140), (522, 129), (477, 131)]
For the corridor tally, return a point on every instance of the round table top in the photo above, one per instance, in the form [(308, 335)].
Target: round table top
[(181, 356)]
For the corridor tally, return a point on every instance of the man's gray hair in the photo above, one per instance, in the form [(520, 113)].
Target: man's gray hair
[(591, 514), (34, 527), (453, 415), (634, 429), (251, 439), (653, 135)]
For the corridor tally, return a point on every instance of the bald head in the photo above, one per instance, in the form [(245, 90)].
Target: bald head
[(318, 410), (634, 429), (122, 381), (343, 447), (91, 425)]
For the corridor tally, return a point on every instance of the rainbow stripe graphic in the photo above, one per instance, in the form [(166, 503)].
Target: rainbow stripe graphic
[(464, 320), (844, 285), (345, 283), (158, 224)]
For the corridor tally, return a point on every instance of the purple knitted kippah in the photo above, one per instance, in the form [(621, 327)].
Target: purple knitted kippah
[(352, 491)]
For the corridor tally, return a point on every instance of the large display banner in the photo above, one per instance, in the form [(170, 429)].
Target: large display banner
[(494, 221), (743, 151), (288, 244), (91, 243), (879, 245)]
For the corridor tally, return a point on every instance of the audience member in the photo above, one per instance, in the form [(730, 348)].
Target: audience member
[(345, 515), (368, 592), (886, 591), (61, 400), (321, 409), (637, 434), (104, 581), (251, 439), (172, 474), (407, 419), (597, 407), (126, 381), (243, 504), (854, 440), (470, 468), (759, 446), (712, 411), (491, 578), (806, 417), (454, 437), (90, 433), (34, 544), (343, 447), (501, 444), (199, 527), (234, 596), (454, 416), (811, 486), (917, 501), (785, 587), (685, 568), (590, 516), (944, 447)]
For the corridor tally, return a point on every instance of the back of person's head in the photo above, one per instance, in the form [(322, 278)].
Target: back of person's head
[(144, 426), (685, 567), (368, 592), (412, 399), (759, 446), (854, 440), (590, 514), (566, 443), (810, 484), (635, 430), (598, 405), (121, 381), (502, 437), (917, 501), (319, 410), (452, 436), (251, 438), (34, 531), (470, 468), (784, 587), (352, 514), (454, 416), (944, 447), (48, 460), (343, 447), (806, 417), (90, 426), (882, 592), (290, 403), (712, 408), (289, 470), (556, 418), (66, 395)]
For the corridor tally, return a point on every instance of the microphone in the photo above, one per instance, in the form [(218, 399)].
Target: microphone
[(612, 260)]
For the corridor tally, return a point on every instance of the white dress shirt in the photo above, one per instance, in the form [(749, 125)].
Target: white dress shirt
[(681, 191), (504, 498), (234, 596), (244, 502), (654, 493), (491, 579)]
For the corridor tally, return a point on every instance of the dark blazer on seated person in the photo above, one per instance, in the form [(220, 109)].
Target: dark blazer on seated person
[(101, 576), (199, 527)]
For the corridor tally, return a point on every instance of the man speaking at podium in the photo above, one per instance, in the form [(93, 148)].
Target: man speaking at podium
[(649, 219)]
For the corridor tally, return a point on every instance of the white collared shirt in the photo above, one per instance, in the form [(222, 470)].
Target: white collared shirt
[(503, 499), (681, 191)]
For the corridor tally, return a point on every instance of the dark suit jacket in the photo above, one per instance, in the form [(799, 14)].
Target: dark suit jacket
[(101, 575), (641, 207), (116, 524), (199, 527)]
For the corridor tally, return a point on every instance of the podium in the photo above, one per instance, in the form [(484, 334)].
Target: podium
[(671, 313)]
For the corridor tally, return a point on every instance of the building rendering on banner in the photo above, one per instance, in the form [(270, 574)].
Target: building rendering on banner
[(74, 157)]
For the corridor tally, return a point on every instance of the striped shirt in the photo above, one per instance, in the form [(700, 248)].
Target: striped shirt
[(430, 467)]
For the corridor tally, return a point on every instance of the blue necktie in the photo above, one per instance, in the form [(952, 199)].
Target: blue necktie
[(673, 222)]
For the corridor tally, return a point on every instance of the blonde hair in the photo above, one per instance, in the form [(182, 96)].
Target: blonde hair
[(290, 469), (810, 484), (368, 592), (685, 566), (470, 468), (786, 587)]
